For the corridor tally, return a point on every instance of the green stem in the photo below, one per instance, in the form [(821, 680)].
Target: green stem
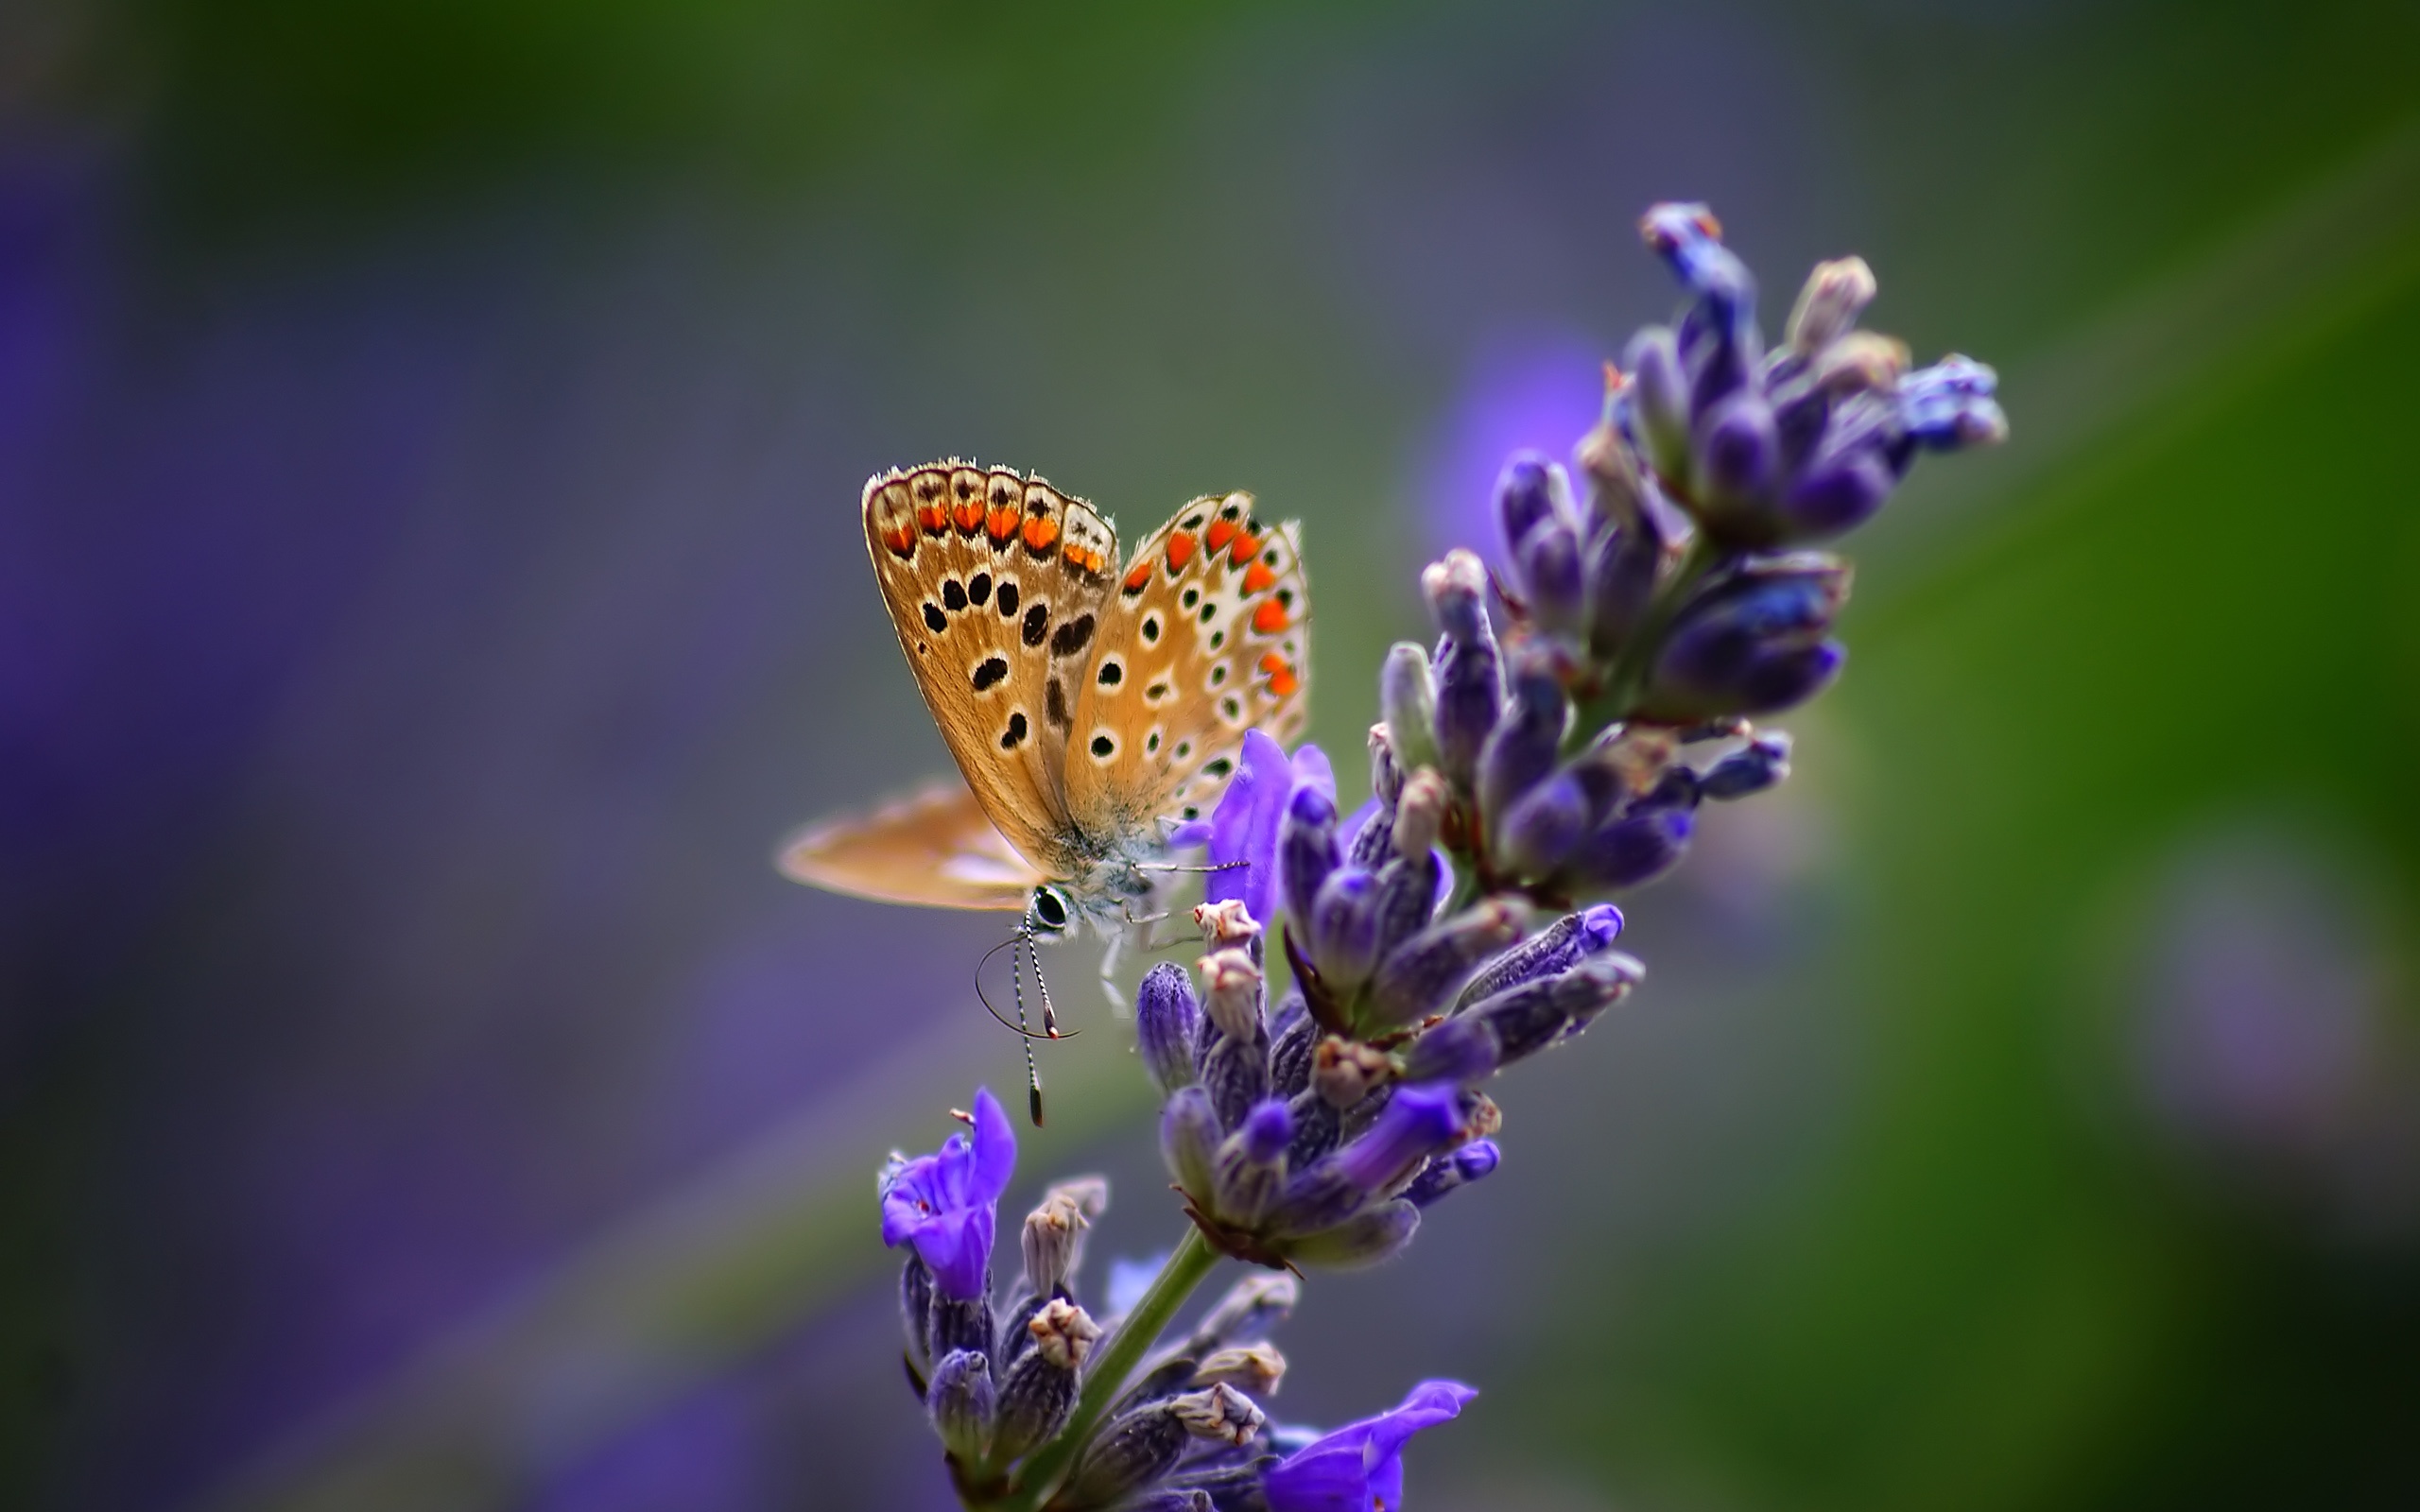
[(1192, 1260)]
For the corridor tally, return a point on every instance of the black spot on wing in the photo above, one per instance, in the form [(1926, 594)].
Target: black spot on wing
[(978, 587), (991, 672), (1071, 637), (1007, 601), (1055, 705), (1037, 623), (934, 620), (1014, 735)]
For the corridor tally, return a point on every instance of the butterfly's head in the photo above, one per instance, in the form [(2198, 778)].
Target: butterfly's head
[(1050, 912)]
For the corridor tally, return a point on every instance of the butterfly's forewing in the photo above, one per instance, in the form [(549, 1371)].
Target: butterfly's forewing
[(995, 583), (933, 848), (1206, 636)]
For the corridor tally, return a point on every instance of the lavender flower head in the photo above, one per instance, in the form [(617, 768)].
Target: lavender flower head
[(944, 1203)]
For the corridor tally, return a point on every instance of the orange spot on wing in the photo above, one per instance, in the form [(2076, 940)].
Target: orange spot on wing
[(968, 516), (1218, 535), (1140, 579), (1002, 525), (933, 518), (1257, 577), (1282, 681), (1270, 618), (1040, 531), (902, 541), (1181, 548), (1247, 547)]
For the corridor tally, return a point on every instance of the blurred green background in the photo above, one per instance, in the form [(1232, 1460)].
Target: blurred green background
[(429, 438)]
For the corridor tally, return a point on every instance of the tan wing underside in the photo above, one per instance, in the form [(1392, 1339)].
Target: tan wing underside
[(993, 581), (933, 848), (1170, 693)]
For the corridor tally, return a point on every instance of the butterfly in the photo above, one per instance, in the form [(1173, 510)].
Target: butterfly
[(1088, 702)]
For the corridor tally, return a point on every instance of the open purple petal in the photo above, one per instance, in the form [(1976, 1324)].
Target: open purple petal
[(995, 1149), (1359, 1467)]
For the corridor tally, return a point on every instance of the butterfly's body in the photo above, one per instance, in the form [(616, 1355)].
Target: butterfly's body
[(1085, 701)]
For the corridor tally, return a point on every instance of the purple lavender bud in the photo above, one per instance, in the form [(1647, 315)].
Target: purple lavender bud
[(1344, 931), (1408, 700), (1768, 684), (1365, 1239), (1168, 1026), (1537, 833), (961, 1403), (1190, 1498), (1660, 396), (1318, 1126), (1461, 1050), (1950, 406), (1236, 1075), (1306, 849), (1550, 571), (961, 1323), (1752, 768), (1622, 568), (1133, 1452), (1558, 948), (1418, 1123), (1522, 749), (1739, 461), (1420, 976), (1839, 490), (916, 1309), (1407, 897), (1444, 1173), (1687, 236), (1530, 491), (1751, 642), (1189, 1135), (1289, 1054), (1632, 850), (1534, 1015), (1470, 680), (1250, 1168)]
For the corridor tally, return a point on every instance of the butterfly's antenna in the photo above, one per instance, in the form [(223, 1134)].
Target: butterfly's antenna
[(1049, 1018), (1025, 1036), (985, 999), (1170, 865)]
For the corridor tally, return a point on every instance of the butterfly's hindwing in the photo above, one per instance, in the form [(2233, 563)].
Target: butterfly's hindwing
[(994, 584), (933, 848), (1206, 636)]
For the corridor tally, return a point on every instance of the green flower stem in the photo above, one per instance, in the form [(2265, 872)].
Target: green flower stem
[(1192, 1260)]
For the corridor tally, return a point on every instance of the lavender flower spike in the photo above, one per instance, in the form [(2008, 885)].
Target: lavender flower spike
[(1359, 1467), (944, 1203)]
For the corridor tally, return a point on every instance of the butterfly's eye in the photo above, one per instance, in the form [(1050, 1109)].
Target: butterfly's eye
[(1049, 909)]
